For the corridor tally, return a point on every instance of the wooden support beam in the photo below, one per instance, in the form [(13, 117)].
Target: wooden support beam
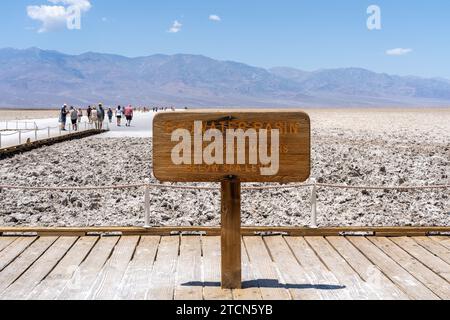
[(231, 235)]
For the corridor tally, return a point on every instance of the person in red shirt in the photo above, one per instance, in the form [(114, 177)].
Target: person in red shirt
[(129, 115)]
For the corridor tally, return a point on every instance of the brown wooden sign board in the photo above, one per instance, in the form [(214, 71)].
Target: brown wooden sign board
[(254, 146), (232, 147)]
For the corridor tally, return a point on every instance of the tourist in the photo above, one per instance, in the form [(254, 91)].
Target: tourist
[(110, 115), (129, 115), (63, 117), (74, 118), (80, 115), (89, 113), (119, 114), (94, 118), (100, 116)]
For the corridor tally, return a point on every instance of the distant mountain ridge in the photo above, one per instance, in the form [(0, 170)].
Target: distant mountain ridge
[(41, 78)]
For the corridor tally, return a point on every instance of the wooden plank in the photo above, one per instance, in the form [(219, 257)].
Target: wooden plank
[(359, 290), (21, 287), (331, 288), (269, 281), (189, 285), (78, 288), (435, 283), (6, 241), (108, 281), (52, 286), (445, 241), (136, 281), (231, 235), (212, 270), (403, 279), (434, 247), (8, 254), (368, 271), (427, 258), (295, 276), (162, 283), (15, 269), (250, 290), (292, 137)]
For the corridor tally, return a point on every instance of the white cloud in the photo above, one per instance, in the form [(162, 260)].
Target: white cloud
[(105, 19), (176, 27), (57, 15), (398, 52), (215, 17)]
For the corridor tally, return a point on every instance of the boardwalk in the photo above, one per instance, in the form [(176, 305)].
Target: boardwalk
[(188, 267)]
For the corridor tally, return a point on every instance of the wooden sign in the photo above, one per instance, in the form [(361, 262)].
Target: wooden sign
[(231, 147), (253, 146)]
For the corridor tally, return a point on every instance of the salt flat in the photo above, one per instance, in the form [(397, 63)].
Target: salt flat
[(355, 147)]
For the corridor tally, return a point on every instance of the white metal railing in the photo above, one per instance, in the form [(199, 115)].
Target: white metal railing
[(50, 132), (312, 184), (17, 125)]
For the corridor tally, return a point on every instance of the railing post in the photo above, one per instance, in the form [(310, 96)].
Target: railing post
[(314, 204), (35, 134), (147, 203), (20, 137), (48, 130), (0, 139)]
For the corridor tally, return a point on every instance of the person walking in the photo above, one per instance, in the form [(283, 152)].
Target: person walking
[(80, 115), (74, 118), (89, 113), (63, 117), (100, 116), (94, 118), (110, 115), (119, 115), (129, 115)]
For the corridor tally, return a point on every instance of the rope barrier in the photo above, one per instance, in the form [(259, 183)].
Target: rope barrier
[(162, 186), (337, 186)]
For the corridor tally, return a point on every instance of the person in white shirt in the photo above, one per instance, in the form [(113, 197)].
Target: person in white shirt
[(119, 115)]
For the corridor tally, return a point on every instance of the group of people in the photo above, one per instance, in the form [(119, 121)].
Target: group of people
[(96, 116)]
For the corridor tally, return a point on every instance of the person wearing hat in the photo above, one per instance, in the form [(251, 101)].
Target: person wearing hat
[(63, 117), (100, 116)]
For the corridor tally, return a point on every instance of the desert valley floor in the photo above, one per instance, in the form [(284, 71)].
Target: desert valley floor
[(354, 147)]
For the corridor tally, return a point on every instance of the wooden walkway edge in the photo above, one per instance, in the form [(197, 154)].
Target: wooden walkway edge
[(13, 150), (216, 231)]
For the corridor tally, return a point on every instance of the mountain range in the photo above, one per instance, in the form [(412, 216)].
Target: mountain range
[(35, 78)]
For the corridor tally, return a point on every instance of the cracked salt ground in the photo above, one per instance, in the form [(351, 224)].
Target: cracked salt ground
[(355, 157)]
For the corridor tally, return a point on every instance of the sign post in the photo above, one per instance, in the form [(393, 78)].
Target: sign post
[(231, 233), (232, 147)]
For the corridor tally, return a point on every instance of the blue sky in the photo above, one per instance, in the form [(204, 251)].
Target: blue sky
[(305, 34)]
